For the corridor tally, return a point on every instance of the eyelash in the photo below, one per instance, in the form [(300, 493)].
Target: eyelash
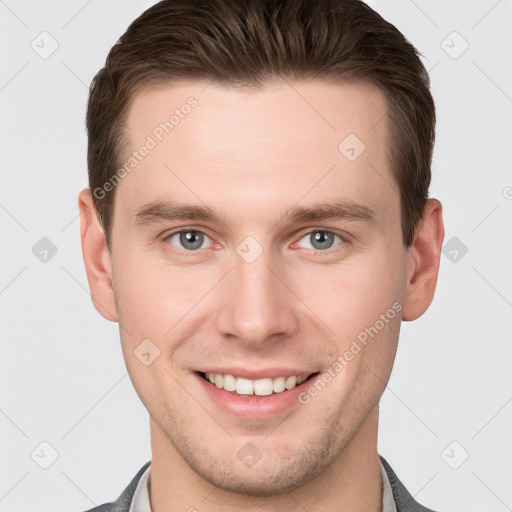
[(181, 252)]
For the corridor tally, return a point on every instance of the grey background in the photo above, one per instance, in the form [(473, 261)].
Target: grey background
[(62, 373)]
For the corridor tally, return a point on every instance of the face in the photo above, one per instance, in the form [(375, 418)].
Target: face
[(225, 258)]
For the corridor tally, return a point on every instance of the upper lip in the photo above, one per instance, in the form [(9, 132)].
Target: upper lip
[(254, 374)]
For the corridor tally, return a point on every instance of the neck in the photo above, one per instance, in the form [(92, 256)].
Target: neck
[(352, 482)]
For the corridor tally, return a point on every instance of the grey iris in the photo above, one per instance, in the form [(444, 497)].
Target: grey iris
[(321, 239), (194, 238)]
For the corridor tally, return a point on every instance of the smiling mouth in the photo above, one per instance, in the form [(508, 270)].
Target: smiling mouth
[(260, 387)]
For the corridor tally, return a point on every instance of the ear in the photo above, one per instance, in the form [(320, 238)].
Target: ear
[(98, 264), (423, 261)]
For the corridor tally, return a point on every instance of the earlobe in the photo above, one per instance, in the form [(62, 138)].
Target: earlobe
[(423, 261), (96, 256)]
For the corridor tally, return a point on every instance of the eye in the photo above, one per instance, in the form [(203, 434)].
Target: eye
[(320, 239), (189, 239)]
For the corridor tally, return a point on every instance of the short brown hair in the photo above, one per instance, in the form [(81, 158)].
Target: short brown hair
[(248, 43)]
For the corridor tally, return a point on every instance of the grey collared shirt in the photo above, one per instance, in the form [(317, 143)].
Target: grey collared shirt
[(140, 502)]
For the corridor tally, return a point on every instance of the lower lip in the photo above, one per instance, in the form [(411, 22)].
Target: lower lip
[(254, 407)]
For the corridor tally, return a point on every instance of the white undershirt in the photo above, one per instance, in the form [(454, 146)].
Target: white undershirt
[(140, 502)]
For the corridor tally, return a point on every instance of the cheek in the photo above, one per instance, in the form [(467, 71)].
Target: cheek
[(352, 295), (152, 297), (165, 305)]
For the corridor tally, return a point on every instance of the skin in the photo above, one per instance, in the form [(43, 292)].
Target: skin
[(253, 156)]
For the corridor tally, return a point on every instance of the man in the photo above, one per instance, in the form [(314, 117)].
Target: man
[(258, 223)]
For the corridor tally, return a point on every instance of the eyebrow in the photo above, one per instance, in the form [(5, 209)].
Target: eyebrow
[(161, 211)]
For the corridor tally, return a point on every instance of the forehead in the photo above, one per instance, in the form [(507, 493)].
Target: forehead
[(284, 143)]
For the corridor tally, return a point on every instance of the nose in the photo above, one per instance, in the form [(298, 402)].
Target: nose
[(258, 306)]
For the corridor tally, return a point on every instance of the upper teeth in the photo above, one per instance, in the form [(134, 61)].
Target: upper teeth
[(260, 387)]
